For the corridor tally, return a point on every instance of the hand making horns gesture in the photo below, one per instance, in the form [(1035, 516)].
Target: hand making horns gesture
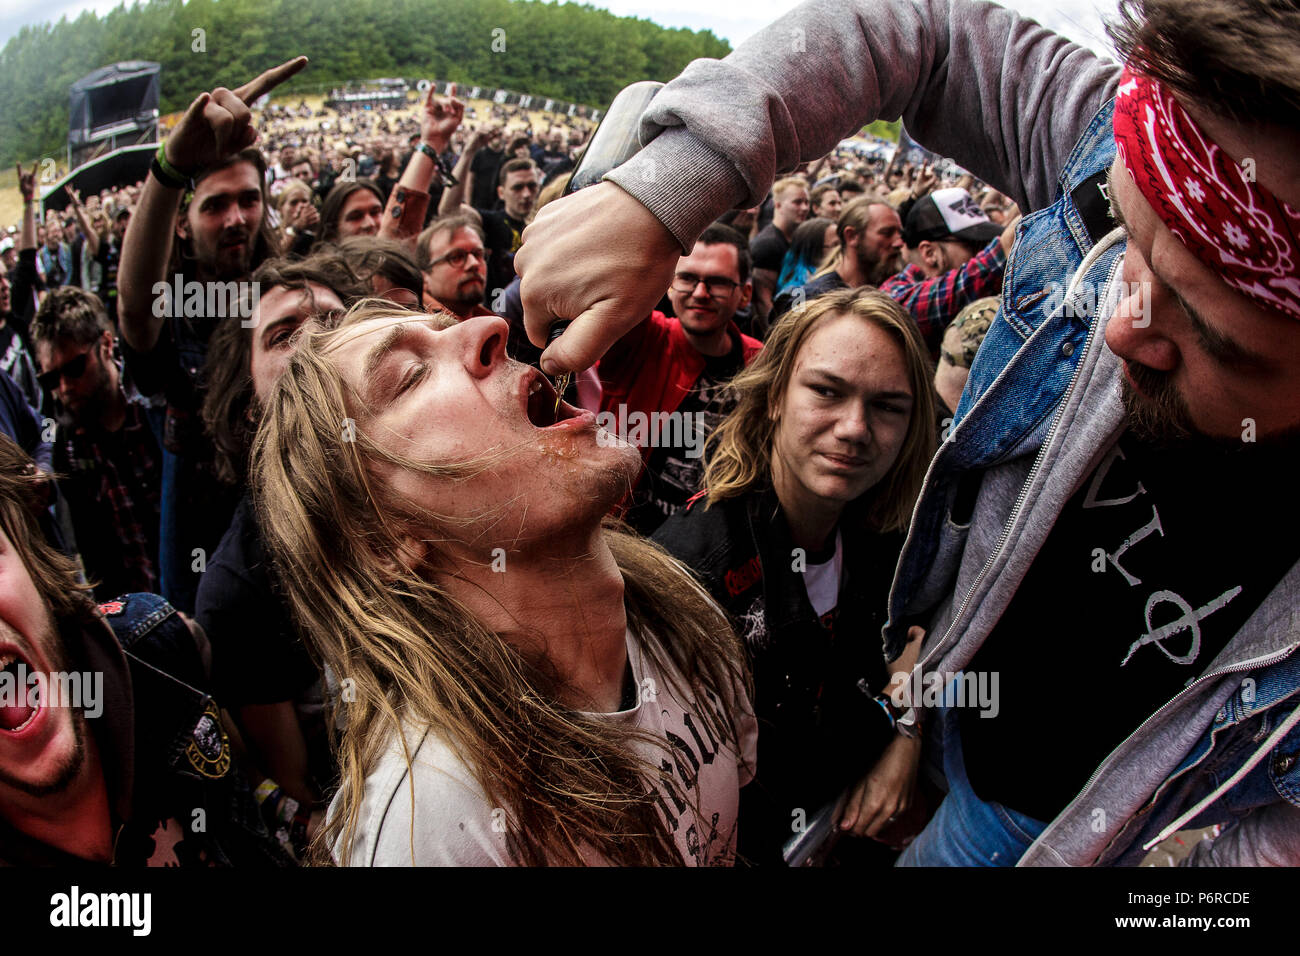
[(219, 124)]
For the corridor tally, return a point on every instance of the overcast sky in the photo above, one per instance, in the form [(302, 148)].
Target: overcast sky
[(734, 20), (1080, 20)]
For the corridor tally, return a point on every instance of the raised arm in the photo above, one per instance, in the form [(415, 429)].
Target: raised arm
[(27, 187), (92, 237), (23, 277), (409, 201), (217, 125), (453, 196), (146, 251), (1000, 94)]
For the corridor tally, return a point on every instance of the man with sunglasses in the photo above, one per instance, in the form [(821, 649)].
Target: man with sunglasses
[(679, 367), (454, 263), (102, 444)]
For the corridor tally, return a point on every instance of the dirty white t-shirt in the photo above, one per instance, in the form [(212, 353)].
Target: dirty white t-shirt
[(450, 821)]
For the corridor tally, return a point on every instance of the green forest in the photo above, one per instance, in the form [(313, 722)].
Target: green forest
[(567, 51)]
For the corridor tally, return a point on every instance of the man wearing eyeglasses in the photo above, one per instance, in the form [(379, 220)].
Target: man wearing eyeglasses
[(453, 261), (674, 371), (518, 184), (103, 445)]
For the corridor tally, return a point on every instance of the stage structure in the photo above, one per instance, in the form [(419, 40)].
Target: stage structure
[(114, 107), (121, 167), (370, 95)]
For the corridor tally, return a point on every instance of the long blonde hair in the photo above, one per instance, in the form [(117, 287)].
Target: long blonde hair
[(739, 452), (411, 652), (292, 187)]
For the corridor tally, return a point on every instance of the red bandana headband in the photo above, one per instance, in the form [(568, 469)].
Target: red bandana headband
[(1231, 223)]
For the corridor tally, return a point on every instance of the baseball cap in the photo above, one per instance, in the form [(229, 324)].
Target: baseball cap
[(948, 214), (6, 244), (963, 337)]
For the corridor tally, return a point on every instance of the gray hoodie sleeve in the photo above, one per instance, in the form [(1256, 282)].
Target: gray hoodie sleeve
[(1000, 94)]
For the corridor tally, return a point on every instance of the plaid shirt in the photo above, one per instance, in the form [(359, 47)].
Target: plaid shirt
[(113, 484), (935, 302)]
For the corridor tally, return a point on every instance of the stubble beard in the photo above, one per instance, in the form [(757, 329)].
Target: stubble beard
[(1157, 415), (467, 301), (216, 265), (70, 769), (239, 268), (86, 414)]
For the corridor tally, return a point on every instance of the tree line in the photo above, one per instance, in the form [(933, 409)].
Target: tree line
[(566, 51)]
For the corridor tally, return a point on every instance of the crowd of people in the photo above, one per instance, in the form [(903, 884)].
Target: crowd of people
[(831, 506)]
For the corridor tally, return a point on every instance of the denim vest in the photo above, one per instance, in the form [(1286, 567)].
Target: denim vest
[(1240, 727), (183, 760), (1022, 390), (1004, 418)]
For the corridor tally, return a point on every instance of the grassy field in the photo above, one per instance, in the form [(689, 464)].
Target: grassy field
[(11, 204)]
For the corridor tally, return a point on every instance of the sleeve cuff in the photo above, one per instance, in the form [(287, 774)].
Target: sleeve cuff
[(683, 182)]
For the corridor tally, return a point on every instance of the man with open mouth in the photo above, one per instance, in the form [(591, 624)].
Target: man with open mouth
[(522, 684), (109, 755)]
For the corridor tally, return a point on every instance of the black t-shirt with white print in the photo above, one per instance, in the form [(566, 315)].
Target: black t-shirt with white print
[(1155, 563), (676, 471)]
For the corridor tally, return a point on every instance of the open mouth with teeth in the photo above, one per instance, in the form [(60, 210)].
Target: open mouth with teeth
[(540, 404), (18, 707)]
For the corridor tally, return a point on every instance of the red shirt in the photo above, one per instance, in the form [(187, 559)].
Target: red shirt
[(653, 367)]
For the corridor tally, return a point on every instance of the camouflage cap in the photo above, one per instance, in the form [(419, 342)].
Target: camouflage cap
[(962, 338)]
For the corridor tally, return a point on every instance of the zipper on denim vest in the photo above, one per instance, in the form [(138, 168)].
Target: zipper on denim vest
[(1265, 661), (943, 644)]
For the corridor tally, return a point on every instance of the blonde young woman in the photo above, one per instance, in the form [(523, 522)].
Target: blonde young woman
[(518, 684), (299, 218), (809, 487)]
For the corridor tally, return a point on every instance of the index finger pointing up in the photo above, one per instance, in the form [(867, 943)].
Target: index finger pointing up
[(269, 80)]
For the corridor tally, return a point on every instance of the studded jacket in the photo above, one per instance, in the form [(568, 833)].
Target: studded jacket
[(176, 795), (814, 679)]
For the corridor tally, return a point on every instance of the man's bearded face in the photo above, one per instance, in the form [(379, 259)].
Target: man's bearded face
[(457, 286), (1201, 358), (880, 248), (223, 220)]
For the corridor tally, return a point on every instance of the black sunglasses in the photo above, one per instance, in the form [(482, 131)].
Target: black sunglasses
[(72, 370)]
